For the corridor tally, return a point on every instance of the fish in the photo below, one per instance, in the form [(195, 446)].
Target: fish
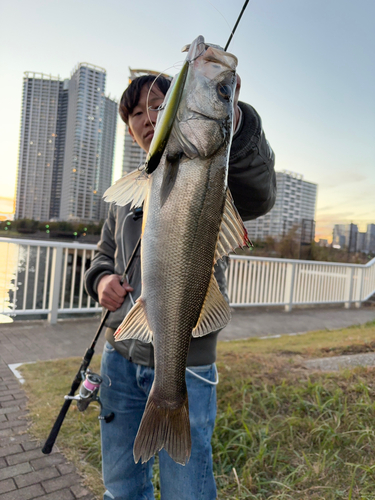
[(189, 223)]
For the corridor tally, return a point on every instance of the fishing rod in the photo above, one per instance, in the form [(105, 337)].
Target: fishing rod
[(90, 381), (235, 26)]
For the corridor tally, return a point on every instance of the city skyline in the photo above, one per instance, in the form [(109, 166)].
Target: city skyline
[(304, 67), (133, 156)]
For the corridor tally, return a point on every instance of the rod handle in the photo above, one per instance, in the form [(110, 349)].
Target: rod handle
[(48, 445)]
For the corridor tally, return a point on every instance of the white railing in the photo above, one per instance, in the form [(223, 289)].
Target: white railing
[(257, 281), (44, 277), (47, 277)]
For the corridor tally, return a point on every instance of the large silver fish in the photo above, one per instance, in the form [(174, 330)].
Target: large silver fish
[(189, 223)]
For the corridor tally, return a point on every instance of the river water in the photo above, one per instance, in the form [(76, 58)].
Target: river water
[(13, 280), (8, 268)]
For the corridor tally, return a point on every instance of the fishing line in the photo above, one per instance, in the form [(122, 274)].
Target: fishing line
[(124, 256), (109, 379), (225, 49), (215, 382), (222, 15), (152, 84), (201, 53), (237, 23)]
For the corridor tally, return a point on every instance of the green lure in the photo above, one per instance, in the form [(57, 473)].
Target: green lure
[(165, 125)]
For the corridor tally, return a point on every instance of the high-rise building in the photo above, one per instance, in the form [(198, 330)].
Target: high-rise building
[(351, 235), (58, 161), (370, 238), (106, 155), (134, 156), (38, 145), (81, 193), (67, 146), (346, 236), (361, 242), (338, 235), (294, 207)]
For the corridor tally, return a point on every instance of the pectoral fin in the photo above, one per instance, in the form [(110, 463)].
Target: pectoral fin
[(215, 313), (132, 187), (233, 233), (170, 176), (135, 325)]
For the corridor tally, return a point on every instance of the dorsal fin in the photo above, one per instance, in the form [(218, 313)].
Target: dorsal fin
[(130, 188), (233, 233)]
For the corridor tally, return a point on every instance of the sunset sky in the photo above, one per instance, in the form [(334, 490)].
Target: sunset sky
[(306, 66)]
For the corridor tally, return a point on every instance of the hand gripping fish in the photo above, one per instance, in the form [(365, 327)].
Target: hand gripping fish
[(189, 223)]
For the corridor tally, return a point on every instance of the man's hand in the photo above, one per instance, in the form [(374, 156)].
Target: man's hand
[(111, 293), (235, 103)]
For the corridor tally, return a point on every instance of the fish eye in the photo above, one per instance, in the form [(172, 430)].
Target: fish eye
[(225, 91)]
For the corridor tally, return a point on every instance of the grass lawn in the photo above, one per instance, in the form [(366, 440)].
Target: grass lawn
[(282, 432)]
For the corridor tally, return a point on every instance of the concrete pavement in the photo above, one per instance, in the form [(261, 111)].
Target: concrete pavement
[(265, 322), (27, 474)]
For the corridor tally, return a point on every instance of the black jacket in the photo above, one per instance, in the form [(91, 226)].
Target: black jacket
[(252, 182)]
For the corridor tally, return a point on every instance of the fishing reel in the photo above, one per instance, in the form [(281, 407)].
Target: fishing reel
[(137, 213), (88, 392)]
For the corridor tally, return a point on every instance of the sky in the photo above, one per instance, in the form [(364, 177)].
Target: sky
[(307, 66)]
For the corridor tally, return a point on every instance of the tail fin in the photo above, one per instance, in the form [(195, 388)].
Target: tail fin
[(163, 428)]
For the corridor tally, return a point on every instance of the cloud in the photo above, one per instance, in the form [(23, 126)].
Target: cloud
[(345, 177), (6, 205)]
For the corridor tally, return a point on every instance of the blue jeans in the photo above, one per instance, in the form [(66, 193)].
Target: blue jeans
[(124, 391)]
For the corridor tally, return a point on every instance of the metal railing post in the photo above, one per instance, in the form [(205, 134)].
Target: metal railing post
[(350, 288), (358, 303), (289, 286), (54, 293)]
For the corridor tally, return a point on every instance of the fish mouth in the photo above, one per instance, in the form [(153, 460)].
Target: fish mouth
[(196, 49), (215, 53)]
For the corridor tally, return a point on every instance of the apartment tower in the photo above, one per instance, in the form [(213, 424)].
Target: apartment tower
[(38, 145), (67, 146), (294, 207), (83, 186), (134, 156)]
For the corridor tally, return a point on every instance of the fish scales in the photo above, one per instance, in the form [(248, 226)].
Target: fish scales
[(189, 240), (189, 222)]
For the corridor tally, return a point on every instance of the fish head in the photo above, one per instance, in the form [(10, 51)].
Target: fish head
[(205, 114)]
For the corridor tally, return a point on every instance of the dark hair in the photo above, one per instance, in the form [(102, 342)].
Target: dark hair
[(130, 98)]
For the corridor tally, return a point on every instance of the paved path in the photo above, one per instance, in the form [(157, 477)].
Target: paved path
[(265, 322), (27, 474)]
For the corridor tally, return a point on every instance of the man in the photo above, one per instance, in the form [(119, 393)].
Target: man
[(127, 367)]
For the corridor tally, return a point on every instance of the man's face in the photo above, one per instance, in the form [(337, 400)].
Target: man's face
[(143, 119)]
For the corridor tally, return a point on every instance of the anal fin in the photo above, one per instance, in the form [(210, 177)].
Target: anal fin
[(134, 325), (215, 313)]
